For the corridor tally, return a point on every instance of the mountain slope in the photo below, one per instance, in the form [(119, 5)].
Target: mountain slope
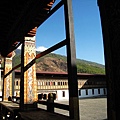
[(58, 63)]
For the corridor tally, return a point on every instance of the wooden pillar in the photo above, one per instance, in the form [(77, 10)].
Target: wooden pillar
[(71, 61), (8, 80), (29, 80), (110, 20), (30, 74), (0, 78), (3, 80), (22, 79), (13, 76)]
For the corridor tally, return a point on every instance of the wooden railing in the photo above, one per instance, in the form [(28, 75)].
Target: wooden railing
[(49, 103)]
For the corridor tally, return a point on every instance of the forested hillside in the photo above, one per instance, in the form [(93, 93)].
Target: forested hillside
[(58, 63)]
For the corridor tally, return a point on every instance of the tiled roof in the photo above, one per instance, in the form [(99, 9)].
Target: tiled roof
[(82, 75)]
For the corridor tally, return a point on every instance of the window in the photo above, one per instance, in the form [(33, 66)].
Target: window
[(63, 93), (17, 83), (93, 91), (104, 90), (53, 83), (98, 91), (65, 83), (86, 91), (58, 83), (48, 83)]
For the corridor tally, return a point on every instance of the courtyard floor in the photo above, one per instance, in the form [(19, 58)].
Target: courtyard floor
[(90, 108)]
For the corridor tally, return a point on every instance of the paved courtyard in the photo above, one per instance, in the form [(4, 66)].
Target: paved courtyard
[(90, 109)]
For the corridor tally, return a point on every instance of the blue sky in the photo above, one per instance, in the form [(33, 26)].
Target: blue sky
[(87, 28)]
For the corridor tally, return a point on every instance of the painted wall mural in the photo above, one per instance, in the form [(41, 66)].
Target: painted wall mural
[(30, 83), (8, 79), (30, 88), (7, 87)]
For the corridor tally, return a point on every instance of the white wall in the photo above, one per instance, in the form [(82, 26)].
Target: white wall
[(60, 95), (90, 94), (83, 93)]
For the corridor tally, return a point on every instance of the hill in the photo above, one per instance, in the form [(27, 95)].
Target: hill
[(58, 63)]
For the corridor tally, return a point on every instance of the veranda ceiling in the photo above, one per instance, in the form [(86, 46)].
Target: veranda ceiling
[(19, 19)]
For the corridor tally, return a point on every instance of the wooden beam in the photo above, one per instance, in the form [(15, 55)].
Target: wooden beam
[(71, 61), (110, 21), (3, 80)]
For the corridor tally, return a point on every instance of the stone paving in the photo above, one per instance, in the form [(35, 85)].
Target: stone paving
[(90, 108)]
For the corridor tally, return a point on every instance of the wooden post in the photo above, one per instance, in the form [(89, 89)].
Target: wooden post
[(22, 79), (0, 78), (50, 103), (71, 61), (30, 74), (13, 76), (110, 21), (3, 80)]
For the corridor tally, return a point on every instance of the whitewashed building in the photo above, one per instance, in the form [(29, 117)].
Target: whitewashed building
[(89, 85)]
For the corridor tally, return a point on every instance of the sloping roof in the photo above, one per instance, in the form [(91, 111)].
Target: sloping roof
[(65, 74), (19, 19)]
